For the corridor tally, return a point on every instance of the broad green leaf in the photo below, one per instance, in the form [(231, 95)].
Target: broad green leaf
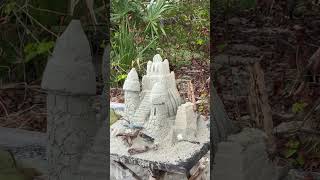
[(44, 47), (33, 49), (298, 107), (294, 144), (9, 8), (289, 152), (200, 41), (121, 77)]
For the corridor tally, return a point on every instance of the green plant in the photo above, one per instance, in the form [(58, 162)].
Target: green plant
[(154, 14), (35, 49), (187, 34), (298, 107), (312, 145), (126, 52), (135, 34), (294, 152), (28, 31), (122, 10)]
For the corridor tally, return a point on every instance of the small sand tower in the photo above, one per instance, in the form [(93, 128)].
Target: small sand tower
[(131, 89), (157, 125)]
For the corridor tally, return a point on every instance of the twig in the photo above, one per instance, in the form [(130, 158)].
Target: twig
[(47, 10), (316, 104), (200, 167), (133, 151), (300, 75), (23, 111), (297, 60), (234, 93), (24, 123), (191, 95), (42, 26), (260, 96), (309, 131), (24, 26), (3, 107), (9, 71)]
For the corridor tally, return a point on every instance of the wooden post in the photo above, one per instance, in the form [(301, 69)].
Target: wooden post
[(260, 109)]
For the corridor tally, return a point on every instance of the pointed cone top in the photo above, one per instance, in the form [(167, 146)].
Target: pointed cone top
[(73, 45), (149, 65), (70, 68), (132, 81), (157, 58), (133, 75), (166, 66)]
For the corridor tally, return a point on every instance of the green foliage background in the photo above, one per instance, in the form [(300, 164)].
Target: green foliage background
[(28, 31), (178, 30)]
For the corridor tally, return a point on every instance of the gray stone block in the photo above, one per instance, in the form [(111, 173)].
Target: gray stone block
[(221, 124), (243, 157)]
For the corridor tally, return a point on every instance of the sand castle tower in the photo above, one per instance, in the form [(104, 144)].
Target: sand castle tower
[(185, 126), (69, 79), (157, 125), (131, 89), (157, 71)]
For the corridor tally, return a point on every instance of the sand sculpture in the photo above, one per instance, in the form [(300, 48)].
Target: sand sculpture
[(158, 131), (157, 108)]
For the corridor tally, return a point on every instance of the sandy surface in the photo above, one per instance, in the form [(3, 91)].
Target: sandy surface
[(165, 153)]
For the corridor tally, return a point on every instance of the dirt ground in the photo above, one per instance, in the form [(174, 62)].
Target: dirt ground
[(283, 48)]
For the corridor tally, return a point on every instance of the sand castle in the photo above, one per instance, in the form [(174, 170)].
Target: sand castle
[(157, 107), (158, 131)]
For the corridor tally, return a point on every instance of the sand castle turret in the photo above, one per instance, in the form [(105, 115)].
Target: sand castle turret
[(131, 89), (157, 124), (185, 125), (69, 79)]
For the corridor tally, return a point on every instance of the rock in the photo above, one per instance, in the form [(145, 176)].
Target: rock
[(9, 170), (118, 173), (245, 48), (224, 59), (286, 127), (301, 175), (245, 118), (28, 147), (243, 157), (222, 125), (234, 21)]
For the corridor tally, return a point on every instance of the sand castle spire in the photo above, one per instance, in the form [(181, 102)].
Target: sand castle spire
[(131, 89)]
